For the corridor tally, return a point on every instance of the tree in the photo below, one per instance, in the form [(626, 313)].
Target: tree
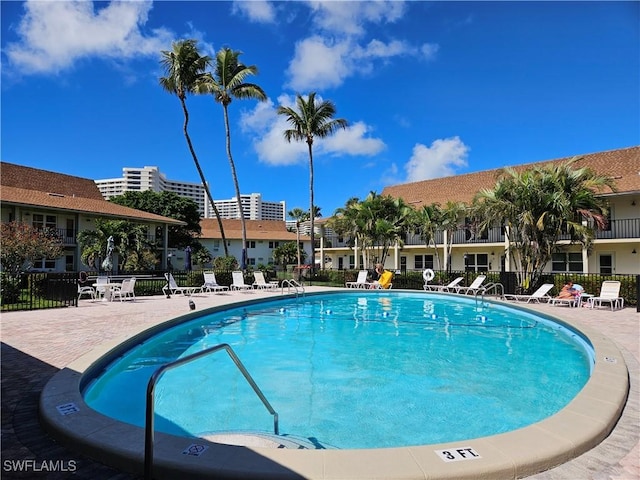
[(286, 254), (312, 119), (22, 245), (185, 70), (426, 222), (167, 204), (538, 206), (299, 216), (227, 83), (129, 242), (377, 222)]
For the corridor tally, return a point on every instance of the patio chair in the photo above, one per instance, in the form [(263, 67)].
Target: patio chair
[(101, 285), (609, 293), (476, 286), (125, 290), (211, 284), (384, 282), (238, 282), (86, 290), (172, 287), (540, 295), (443, 288), (261, 283), (361, 281)]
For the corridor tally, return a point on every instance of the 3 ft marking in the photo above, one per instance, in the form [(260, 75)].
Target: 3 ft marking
[(458, 454)]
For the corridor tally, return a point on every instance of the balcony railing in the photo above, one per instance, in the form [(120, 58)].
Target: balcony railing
[(617, 229)]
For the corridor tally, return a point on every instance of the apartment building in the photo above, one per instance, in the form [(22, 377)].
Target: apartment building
[(615, 250), (67, 205), (253, 206), (135, 179), (150, 178)]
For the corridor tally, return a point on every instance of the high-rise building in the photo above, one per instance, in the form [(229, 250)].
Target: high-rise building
[(150, 178), (253, 206)]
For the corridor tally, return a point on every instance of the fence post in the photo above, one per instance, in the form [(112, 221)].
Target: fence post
[(637, 293)]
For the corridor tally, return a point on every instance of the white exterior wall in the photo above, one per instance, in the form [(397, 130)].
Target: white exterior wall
[(262, 252)]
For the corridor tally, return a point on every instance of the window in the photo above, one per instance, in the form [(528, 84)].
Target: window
[(251, 244), (422, 261), (566, 262), (251, 261), (216, 245), (273, 244), (44, 264), (41, 222), (476, 262), (606, 264)]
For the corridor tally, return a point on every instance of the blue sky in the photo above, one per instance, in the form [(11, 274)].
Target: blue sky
[(429, 89)]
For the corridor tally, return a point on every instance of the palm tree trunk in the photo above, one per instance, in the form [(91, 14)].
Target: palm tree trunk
[(311, 213), (202, 179), (243, 261), (298, 243)]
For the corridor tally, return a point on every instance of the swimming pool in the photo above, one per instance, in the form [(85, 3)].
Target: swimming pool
[(398, 368), (582, 424)]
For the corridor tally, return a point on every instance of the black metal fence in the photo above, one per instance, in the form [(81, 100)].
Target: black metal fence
[(53, 290)]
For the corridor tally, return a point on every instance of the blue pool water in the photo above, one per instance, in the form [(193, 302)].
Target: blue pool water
[(355, 370)]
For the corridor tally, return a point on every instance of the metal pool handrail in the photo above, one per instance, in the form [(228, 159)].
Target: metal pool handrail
[(292, 283), (149, 419)]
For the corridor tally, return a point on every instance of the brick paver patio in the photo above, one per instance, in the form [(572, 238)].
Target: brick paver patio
[(35, 345)]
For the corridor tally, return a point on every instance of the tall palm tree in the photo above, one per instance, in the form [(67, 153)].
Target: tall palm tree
[(299, 216), (538, 206), (309, 121), (225, 84), (184, 70)]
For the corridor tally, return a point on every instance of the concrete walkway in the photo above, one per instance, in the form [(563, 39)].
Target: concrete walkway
[(35, 345)]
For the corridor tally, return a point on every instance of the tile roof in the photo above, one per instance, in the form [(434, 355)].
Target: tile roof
[(256, 230), (12, 175), (30, 187), (622, 165)]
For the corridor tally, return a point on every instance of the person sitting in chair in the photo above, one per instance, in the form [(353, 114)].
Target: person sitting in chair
[(568, 291), (384, 277)]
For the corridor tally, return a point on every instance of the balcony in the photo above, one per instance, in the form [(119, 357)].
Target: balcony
[(617, 229)]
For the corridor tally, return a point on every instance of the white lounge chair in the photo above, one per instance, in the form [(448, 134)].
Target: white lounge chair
[(238, 282), (261, 283), (211, 284), (609, 293), (443, 288), (172, 287), (125, 290), (540, 295), (476, 286), (361, 281)]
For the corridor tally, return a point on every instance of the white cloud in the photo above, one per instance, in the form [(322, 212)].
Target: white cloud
[(327, 60), (441, 159), (348, 18), (268, 127), (56, 34), (317, 64), (258, 11)]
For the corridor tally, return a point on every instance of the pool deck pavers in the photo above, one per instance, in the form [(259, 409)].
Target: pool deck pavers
[(37, 344)]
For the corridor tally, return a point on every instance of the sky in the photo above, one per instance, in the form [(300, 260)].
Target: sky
[(429, 89)]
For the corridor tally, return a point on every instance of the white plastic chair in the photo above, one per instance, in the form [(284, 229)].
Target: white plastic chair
[(172, 287), (475, 286), (211, 284), (443, 288), (238, 282), (261, 283), (540, 295), (86, 290), (101, 287), (125, 290), (609, 293), (361, 281)]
